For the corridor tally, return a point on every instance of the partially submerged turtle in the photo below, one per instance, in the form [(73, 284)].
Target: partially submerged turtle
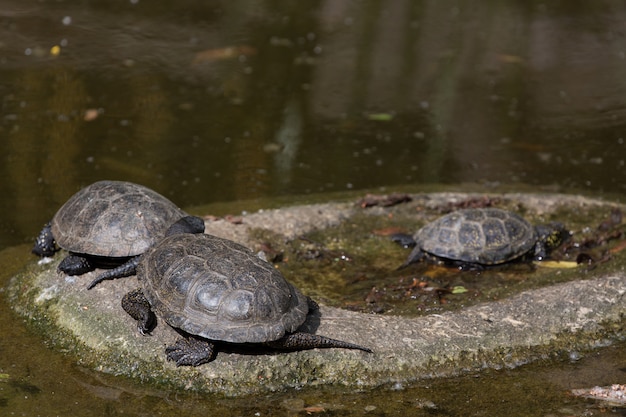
[(483, 236), (215, 291), (107, 224)]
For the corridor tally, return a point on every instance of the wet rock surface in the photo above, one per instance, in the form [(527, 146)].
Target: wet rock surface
[(581, 313)]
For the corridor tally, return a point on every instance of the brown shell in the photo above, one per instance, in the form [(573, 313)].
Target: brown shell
[(219, 290), (485, 236), (113, 219)]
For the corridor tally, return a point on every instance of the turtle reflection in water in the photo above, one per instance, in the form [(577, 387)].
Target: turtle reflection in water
[(107, 224), (215, 291), (474, 238)]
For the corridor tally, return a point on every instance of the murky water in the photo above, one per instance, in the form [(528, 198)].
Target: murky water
[(230, 101)]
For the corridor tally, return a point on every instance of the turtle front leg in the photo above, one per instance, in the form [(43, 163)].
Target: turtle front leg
[(191, 351), (416, 255), (138, 307), (76, 265)]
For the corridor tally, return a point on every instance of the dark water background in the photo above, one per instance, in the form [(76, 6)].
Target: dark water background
[(226, 101)]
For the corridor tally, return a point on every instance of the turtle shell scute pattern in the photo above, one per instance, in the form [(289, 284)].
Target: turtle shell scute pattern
[(113, 219), (484, 236), (219, 290)]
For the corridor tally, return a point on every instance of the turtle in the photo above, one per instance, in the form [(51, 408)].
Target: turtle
[(107, 224), (477, 237), (216, 292)]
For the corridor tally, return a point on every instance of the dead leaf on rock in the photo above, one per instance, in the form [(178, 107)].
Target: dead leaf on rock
[(383, 200)]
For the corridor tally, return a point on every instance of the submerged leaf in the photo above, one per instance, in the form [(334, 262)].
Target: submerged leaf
[(380, 117)]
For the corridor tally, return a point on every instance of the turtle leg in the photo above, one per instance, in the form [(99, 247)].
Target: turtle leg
[(302, 341), (416, 255), (470, 266), (44, 244), (191, 351), (126, 269), (138, 307), (76, 265)]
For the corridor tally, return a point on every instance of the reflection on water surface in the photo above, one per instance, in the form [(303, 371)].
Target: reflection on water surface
[(239, 100)]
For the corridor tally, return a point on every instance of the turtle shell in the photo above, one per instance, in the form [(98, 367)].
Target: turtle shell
[(484, 236), (113, 219), (217, 289)]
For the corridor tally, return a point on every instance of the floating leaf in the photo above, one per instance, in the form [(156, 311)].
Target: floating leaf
[(314, 409), (91, 114), (221, 54), (459, 289), (380, 117)]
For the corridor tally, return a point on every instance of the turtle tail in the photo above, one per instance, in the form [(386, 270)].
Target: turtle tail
[(303, 341)]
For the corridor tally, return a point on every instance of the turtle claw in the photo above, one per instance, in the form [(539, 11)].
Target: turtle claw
[(191, 351)]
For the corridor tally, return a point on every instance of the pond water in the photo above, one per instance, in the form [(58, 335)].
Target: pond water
[(257, 101)]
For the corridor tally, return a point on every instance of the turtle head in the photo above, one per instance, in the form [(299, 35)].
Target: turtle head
[(549, 237), (188, 224), (45, 244)]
